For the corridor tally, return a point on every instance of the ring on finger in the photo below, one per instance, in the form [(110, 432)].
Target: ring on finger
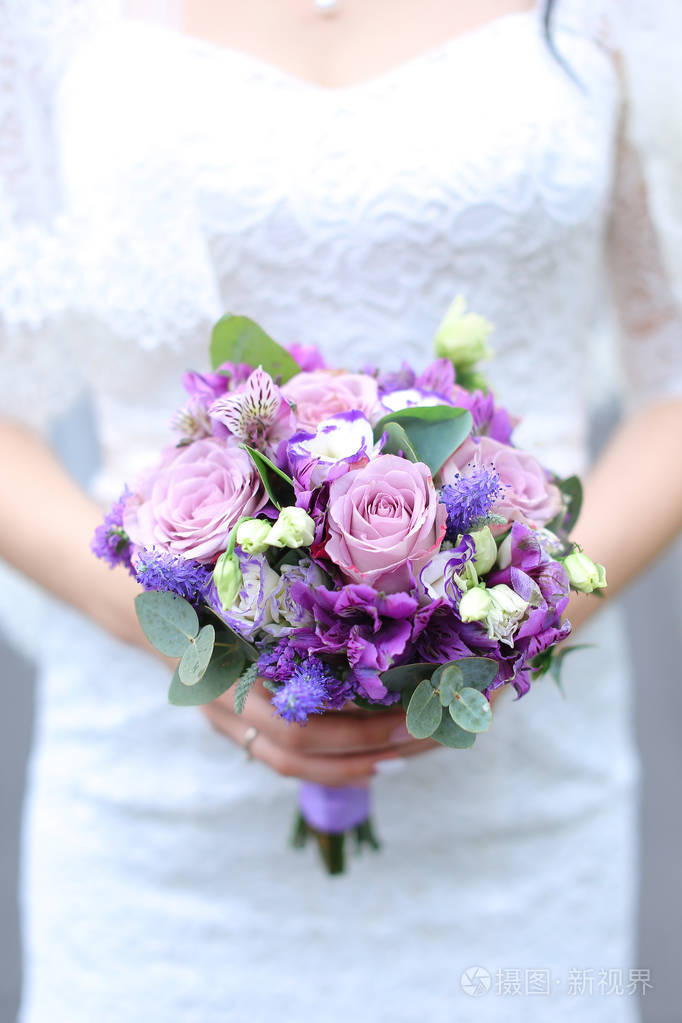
[(249, 736)]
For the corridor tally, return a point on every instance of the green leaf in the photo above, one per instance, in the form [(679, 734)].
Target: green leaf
[(424, 712), (239, 339), (557, 660), (478, 672), (450, 734), (572, 491), (227, 636), (248, 679), (434, 432), (196, 657), (449, 683), (267, 469), (471, 711), (405, 675), (168, 622), (397, 442), (223, 670)]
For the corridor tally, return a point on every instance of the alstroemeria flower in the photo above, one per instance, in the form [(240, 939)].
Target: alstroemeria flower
[(256, 413)]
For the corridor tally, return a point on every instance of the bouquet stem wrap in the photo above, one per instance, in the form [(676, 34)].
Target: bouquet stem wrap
[(329, 814)]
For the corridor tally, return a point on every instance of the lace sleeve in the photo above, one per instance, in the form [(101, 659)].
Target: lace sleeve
[(38, 273), (644, 241)]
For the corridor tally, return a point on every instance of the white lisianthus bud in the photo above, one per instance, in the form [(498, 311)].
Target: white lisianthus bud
[(486, 550), (252, 535), (461, 336), (475, 604), (227, 576), (294, 528), (583, 573), (506, 611)]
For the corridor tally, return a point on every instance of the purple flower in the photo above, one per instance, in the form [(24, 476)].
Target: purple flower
[(469, 499), (110, 542), (304, 693), (344, 441), (171, 573), (277, 662), (308, 357), (369, 629), (256, 413)]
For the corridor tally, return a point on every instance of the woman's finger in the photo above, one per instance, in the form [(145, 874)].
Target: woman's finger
[(325, 769), (328, 733)]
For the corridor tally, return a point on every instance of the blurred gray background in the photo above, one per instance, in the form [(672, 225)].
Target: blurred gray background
[(653, 606)]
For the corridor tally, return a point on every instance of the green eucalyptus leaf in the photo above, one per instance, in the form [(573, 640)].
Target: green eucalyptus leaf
[(449, 683), (471, 711), (434, 432), (168, 622), (240, 339), (267, 470), (226, 636), (477, 672), (424, 712), (397, 442), (450, 734), (223, 670), (404, 675), (196, 657)]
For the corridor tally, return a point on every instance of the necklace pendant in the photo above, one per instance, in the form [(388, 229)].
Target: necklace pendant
[(327, 7)]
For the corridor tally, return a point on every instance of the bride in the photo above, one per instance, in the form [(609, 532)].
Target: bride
[(338, 172)]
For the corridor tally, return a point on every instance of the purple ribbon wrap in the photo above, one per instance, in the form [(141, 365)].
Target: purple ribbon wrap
[(330, 809)]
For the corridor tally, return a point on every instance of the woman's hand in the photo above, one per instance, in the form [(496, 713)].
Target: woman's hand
[(335, 748)]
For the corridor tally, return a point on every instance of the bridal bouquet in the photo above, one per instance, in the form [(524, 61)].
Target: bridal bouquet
[(365, 537)]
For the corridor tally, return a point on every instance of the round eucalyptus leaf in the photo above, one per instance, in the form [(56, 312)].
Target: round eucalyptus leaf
[(223, 670), (450, 734), (478, 672), (197, 656), (471, 711), (168, 622), (449, 683), (405, 675), (424, 712)]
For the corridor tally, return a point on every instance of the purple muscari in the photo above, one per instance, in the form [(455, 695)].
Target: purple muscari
[(469, 500), (171, 573), (305, 692), (110, 541)]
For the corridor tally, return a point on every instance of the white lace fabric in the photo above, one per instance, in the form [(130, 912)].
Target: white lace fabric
[(171, 180)]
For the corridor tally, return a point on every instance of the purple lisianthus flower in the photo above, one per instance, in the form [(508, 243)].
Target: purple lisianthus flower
[(437, 634), (411, 397), (342, 442), (285, 612), (251, 610), (438, 580), (469, 499), (371, 629), (489, 419), (170, 573), (308, 357), (111, 542)]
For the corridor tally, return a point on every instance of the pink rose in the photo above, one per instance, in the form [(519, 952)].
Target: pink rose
[(323, 393), (384, 521), (189, 504), (526, 494)]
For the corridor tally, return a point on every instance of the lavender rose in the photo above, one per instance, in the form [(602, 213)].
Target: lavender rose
[(384, 523), (189, 504), (526, 495), (323, 393)]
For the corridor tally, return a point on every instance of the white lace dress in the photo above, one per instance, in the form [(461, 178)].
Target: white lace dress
[(157, 883)]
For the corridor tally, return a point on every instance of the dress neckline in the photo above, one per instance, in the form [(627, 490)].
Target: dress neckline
[(265, 68)]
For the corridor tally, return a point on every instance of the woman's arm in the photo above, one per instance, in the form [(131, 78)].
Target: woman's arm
[(632, 506), (46, 523)]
